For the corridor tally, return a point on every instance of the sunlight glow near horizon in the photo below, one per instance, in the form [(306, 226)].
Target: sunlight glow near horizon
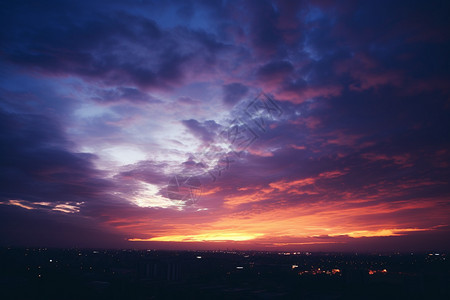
[(223, 237), (206, 237)]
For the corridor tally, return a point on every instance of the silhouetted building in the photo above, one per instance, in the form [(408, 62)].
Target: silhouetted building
[(152, 269)]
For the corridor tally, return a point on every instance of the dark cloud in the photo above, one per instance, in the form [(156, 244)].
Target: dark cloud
[(234, 92), (146, 171), (275, 69), (265, 36), (205, 131), (37, 167), (125, 94), (98, 47)]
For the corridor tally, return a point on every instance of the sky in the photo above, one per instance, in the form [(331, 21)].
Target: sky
[(264, 125)]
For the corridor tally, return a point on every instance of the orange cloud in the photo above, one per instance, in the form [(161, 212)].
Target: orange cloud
[(303, 223), (205, 237), (19, 203)]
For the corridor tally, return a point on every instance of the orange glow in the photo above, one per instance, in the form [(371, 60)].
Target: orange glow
[(305, 223), (18, 203), (260, 153), (297, 147), (300, 225), (238, 200), (201, 237), (286, 185), (211, 191), (380, 232), (65, 208)]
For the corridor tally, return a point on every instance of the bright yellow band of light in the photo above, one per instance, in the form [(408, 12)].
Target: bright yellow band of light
[(201, 237), (381, 232)]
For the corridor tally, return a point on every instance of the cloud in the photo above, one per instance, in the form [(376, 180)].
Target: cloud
[(234, 92), (276, 70), (125, 94), (36, 165), (205, 131), (97, 48)]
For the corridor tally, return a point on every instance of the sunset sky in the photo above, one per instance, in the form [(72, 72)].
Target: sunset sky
[(344, 107)]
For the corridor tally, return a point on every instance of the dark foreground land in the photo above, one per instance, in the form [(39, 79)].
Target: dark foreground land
[(131, 274)]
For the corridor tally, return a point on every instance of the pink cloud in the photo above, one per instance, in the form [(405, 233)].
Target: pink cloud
[(367, 73), (301, 95)]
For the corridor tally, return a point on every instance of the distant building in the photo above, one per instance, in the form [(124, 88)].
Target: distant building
[(152, 269)]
